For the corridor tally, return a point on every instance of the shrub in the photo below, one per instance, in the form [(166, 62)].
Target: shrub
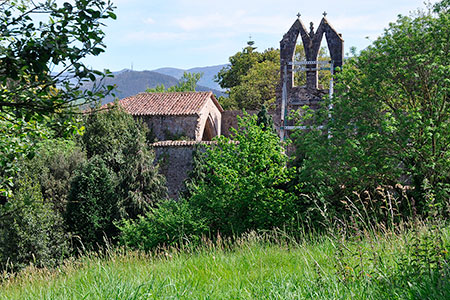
[(247, 184), (30, 231), (53, 167), (93, 205), (169, 223), (120, 141)]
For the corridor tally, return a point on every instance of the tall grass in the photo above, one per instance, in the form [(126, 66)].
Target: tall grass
[(412, 264)]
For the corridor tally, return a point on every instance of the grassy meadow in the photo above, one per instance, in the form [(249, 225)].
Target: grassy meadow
[(257, 266)]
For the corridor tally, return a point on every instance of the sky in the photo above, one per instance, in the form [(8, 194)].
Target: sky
[(150, 34)]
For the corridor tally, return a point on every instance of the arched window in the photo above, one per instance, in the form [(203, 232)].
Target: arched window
[(210, 131)]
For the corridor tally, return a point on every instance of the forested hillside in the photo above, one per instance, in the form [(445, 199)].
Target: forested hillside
[(130, 83), (207, 80)]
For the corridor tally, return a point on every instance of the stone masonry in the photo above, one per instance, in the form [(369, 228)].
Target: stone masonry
[(311, 94), (175, 162)]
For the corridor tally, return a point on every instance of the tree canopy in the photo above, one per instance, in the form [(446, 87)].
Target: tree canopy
[(390, 121), (252, 77), (42, 46)]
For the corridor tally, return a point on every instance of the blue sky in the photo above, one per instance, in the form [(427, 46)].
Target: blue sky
[(197, 33)]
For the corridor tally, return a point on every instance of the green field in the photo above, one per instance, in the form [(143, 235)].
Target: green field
[(270, 266)]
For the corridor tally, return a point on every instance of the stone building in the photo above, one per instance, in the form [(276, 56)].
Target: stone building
[(291, 97), (194, 116), (181, 121)]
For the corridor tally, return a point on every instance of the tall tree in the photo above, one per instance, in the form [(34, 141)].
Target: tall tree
[(120, 141), (252, 77), (390, 121), (42, 46)]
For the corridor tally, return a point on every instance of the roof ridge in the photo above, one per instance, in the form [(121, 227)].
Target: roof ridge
[(167, 103)]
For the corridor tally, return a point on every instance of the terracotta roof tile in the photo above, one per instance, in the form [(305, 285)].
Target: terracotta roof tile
[(186, 143), (177, 103), (181, 143)]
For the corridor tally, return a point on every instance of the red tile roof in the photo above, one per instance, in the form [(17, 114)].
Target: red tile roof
[(181, 143), (187, 143), (176, 103)]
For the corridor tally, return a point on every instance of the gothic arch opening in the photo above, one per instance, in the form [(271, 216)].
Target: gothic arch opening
[(210, 131)]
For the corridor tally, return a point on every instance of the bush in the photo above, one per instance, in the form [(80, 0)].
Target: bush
[(169, 223), (30, 231), (247, 186), (93, 205), (53, 167)]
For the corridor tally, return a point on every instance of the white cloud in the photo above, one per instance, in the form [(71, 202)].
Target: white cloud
[(358, 23), (239, 21), (149, 21), (191, 23), (142, 36)]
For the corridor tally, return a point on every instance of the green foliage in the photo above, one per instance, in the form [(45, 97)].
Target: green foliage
[(30, 49), (170, 223), (323, 75), (187, 83), (266, 266), (93, 204), (52, 168), (426, 255), (258, 86), (251, 78), (390, 122), (121, 142), (30, 232), (19, 137), (37, 38), (240, 64), (264, 119), (16, 143), (236, 185), (246, 185)]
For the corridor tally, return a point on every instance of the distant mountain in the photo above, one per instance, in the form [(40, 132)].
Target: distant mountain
[(174, 72), (206, 80), (130, 83)]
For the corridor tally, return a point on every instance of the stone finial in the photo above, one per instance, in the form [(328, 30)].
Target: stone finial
[(324, 14), (311, 27), (299, 15)]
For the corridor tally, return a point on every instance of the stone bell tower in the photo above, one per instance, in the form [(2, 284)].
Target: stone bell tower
[(291, 97)]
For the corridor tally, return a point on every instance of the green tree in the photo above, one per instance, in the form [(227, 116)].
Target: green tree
[(247, 185), (30, 50), (251, 78), (265, 120), (240, 64), (52, 168), (121, 142), (390, 121), (30, 231), (37, 38), (93, 204), (258, 86)]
